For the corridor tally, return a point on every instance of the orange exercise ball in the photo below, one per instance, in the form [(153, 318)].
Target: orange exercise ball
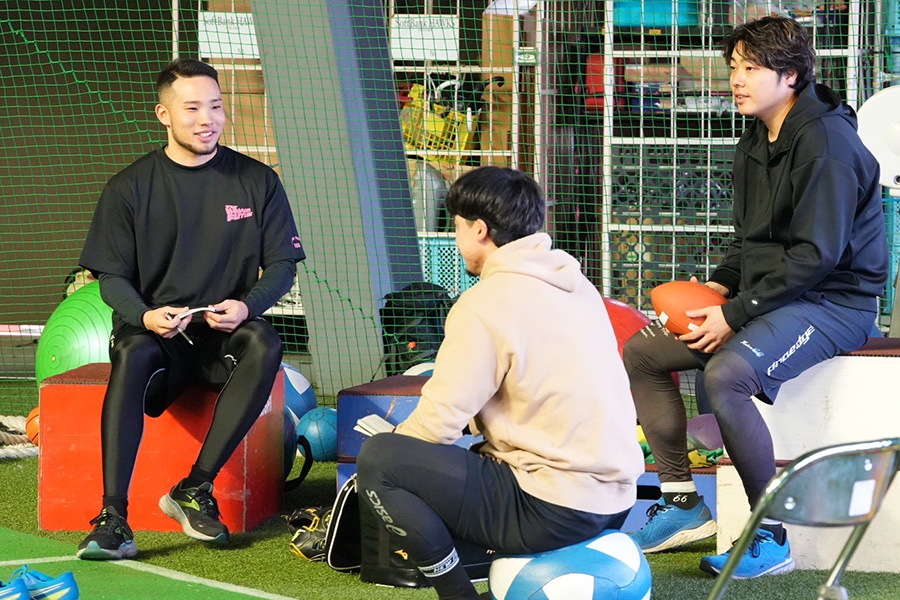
[(33, 426)]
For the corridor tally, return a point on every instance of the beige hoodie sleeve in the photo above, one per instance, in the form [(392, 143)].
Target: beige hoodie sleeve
[(465, 378)]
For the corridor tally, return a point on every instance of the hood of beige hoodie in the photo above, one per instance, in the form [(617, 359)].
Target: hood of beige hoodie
[(555, 267)]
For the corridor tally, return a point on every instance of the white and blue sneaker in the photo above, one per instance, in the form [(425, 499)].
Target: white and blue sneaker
[(44, 587), (670, 526), (14, 590), (765, 556)]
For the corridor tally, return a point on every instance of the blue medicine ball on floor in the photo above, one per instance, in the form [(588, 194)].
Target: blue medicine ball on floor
[(319, 427), (299, 395), (609, 566)]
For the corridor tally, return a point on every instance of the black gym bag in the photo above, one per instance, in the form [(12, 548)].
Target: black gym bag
[(356, 541), (412, 324)]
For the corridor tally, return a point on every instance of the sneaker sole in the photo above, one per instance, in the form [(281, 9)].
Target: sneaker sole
[(685, 536), (779, 569), (171, 509), (93, 551)]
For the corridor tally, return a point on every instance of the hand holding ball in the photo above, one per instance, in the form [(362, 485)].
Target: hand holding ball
[(672, 300)]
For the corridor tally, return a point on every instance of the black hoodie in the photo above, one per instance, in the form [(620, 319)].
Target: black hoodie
[(808, 214)]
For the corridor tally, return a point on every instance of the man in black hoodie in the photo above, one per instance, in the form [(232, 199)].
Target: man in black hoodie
[(802, 275)]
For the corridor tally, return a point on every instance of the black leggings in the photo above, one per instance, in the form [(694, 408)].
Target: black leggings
[(149, 372), (436, 493), (651, 356)]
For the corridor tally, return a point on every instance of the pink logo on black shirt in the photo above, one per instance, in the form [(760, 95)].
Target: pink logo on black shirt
[(295, 241), (235, 213)]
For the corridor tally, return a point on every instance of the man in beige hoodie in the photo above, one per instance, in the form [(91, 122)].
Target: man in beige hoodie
[(529, 361)]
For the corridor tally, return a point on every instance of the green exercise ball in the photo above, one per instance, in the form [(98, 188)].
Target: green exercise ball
[(77, 333)]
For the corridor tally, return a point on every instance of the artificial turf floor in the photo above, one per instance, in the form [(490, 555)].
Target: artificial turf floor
[(261, 559)]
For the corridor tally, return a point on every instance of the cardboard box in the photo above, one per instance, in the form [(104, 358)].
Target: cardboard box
[(697, 73), (498, 40), (497, 52), (649, 72)]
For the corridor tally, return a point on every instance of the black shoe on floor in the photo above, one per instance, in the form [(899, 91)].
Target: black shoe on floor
[(111, 538), (197, 511)]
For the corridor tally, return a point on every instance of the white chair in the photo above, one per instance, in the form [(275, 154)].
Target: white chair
[(835, 486)]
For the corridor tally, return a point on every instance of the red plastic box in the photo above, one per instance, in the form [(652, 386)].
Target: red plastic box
[(70, 485)]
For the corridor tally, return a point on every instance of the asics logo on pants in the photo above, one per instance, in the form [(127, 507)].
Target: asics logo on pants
[(382, 512)]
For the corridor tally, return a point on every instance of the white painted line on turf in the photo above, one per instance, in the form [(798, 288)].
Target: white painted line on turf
[(34, 561), (162, 571)]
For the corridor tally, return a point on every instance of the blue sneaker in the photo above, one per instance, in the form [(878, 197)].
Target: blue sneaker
[(14, 590), (765, 556), (670, 526), (44, 587)]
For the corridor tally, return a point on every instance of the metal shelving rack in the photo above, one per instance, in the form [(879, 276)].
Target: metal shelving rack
[(430, 167)]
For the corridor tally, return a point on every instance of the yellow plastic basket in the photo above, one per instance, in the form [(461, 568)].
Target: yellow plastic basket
[(436, 128)]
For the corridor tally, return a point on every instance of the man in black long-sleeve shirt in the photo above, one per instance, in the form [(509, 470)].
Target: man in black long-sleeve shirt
[(188, 225)]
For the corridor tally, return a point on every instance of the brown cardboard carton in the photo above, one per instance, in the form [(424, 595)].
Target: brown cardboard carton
[(698, 73), (497, 52), (648, 72), (497, 41)]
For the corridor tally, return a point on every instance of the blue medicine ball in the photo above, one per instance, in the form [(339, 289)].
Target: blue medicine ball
[(319, 427), (608, 567), (426, 368), (299, 395)]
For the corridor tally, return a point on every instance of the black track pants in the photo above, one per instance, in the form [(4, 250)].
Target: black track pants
[(149, 372), (435, 493)]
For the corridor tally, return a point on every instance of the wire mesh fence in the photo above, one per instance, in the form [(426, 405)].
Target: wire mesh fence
[(620, 109)]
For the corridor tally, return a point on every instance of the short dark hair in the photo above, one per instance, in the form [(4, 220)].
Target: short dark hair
[(777, 43), (183, 67), (510, 202)]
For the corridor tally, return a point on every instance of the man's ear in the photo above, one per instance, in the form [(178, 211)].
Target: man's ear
[(790, 78), (481, 230), (162, 113)]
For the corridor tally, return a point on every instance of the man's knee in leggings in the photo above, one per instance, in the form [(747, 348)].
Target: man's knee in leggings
[(377, 453), (636, 351), (729, 377), (137, 364), (259, 341), (137, 351)]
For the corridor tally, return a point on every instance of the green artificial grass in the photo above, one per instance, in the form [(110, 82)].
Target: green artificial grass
[(17, 396), (261, 558)]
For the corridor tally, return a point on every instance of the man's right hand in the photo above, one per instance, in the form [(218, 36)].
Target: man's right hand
[(163, 321)]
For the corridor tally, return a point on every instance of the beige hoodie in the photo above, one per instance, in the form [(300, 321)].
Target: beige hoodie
[(530, 360)]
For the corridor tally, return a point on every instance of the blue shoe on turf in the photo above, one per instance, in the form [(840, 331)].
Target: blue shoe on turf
[(14, 590), (765, 556), (669, 526), (44, 587)]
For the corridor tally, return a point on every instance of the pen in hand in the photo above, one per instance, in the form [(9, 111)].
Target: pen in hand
[(179, 329)]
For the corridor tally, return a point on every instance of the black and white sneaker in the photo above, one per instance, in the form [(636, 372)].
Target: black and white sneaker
[(111, 538), (197, 511)]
